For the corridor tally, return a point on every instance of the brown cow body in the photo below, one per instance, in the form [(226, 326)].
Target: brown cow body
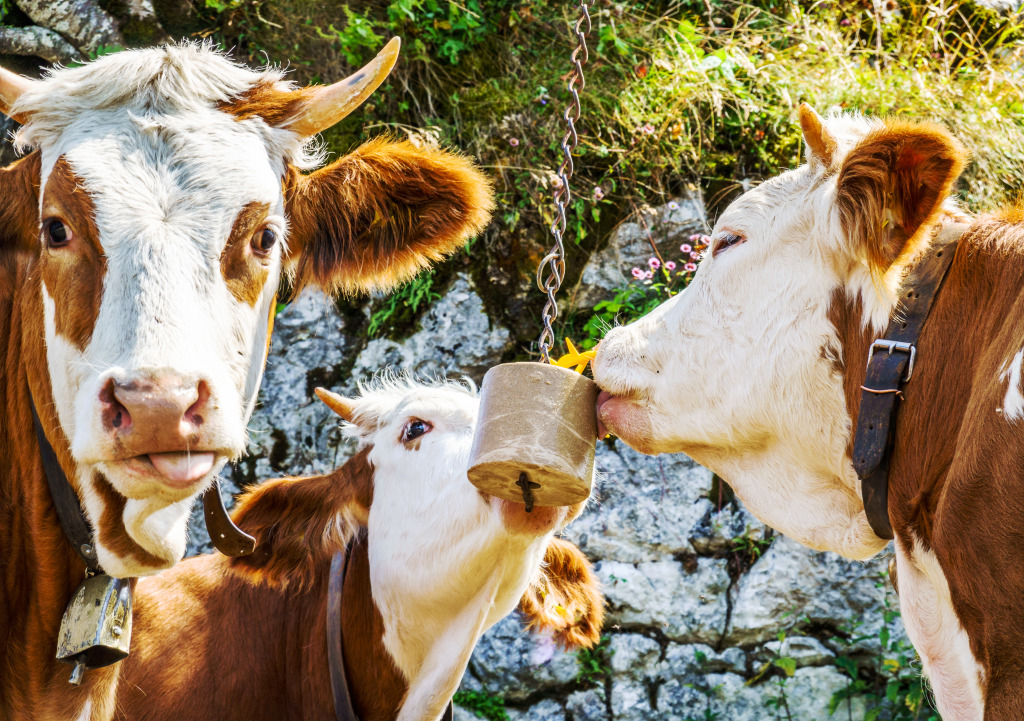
[(439, 562), (802, 275), (164, 194)]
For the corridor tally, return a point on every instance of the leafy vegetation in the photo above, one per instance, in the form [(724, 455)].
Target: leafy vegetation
[(418, 293), (491, 708), (594, 664)]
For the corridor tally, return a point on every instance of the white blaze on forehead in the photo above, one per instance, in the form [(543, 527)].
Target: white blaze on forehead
[(1013, 401)]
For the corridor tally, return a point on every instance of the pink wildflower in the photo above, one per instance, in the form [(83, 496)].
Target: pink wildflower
[(649, 274), (654, 263), (686, 247), (695, 255), (670, 265), (647, 129), (690, 267), (598, 193), (637, 273), (513, 142)]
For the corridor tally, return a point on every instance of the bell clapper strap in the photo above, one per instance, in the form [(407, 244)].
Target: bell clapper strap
[(890, 364)]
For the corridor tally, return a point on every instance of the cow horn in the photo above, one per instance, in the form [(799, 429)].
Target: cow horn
[(328, 104), (12, 86), (820, 142), (341, 405)]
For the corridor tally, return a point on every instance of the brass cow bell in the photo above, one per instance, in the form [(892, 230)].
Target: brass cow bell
[(97, 625), (535, 436)]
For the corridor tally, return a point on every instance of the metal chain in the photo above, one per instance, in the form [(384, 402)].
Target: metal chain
[(555, 260)]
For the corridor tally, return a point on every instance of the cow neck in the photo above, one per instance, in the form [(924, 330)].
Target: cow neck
[(40, 569), (931, 415)]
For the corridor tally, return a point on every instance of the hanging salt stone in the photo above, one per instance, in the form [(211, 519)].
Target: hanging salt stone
[(536, 434)]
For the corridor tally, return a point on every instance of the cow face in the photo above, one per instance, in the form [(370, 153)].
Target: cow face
[(743, 370), (163, 203)]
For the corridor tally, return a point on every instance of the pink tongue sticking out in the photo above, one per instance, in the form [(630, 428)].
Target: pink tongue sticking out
[(182, 467)]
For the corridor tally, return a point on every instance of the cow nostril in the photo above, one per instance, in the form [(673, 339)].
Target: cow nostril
[(194, 413), (115, 415)]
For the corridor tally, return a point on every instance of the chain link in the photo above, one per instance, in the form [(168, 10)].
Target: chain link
[(554, 261)]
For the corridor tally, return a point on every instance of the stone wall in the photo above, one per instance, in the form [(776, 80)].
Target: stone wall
[(710, 615)]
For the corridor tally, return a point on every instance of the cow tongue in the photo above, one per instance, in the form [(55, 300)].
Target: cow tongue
[(182, 467)]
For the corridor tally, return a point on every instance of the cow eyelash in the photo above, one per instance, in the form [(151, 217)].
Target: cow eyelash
[(727, 240)]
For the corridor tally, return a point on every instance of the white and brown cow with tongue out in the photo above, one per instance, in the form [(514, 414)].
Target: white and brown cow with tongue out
[(756, 371), (142, 242)]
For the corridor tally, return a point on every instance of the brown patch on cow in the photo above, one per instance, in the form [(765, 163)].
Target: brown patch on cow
[(566, 598), (378, 216), (299, 522), (955, 481), (110, 530), (272, 102), (73, 274), (891, 187), (245, 273), (19, 214)]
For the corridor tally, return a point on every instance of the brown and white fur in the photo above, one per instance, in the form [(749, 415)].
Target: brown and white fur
[(142, 240), (800, 277), (441, 563)]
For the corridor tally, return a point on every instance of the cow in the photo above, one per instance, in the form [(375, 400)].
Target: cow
[(756, 370), (245, 638), (163, 196)]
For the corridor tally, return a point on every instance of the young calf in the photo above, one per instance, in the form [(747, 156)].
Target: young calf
[(245, 638)]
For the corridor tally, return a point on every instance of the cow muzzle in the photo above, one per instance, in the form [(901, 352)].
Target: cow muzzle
[(157, 433)]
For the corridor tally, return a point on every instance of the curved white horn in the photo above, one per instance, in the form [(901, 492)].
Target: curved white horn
[(328, 104), (341, 405), (12, 86)]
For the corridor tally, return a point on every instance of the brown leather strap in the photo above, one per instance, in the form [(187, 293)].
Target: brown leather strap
[(890, 364), (343, 710), (69, 510), (226, 537)]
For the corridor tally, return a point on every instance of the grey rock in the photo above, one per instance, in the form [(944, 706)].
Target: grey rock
[(631, 701), (791, 583), (461, 714), (661, 595), (546, 710), (587, 705), (644, 508), (718, 530), (511, 662), (456, 338), (696, 659), (804, 650), (667, 227), (631, 654), (1004, 7)]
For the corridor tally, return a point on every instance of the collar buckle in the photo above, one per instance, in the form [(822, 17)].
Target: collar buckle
[(895, 345)]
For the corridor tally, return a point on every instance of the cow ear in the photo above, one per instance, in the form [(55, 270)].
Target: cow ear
[(299, 523), (566, 598), (19, 204), (891, 188), (379, 215)]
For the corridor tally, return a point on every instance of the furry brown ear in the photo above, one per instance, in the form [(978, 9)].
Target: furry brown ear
[(299, 523), (566, 598), (379, 215), (19, 204), (892, 185)]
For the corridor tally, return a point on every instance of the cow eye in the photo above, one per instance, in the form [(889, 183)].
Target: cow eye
[(264, 240), (414, 429), (57, 234), (727, 241)]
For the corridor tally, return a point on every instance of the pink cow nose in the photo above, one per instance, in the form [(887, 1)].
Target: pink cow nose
[(160, 416)]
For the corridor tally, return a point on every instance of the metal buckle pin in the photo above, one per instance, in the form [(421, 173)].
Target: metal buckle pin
[(891, 345)]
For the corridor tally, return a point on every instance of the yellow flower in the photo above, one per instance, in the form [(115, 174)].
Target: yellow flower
[(575, 358)]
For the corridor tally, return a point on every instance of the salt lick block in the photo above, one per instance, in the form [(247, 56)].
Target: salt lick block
[(540, 420)]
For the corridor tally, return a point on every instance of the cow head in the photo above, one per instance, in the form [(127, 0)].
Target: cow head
[(743, 370), (165, 198), (446, 561)]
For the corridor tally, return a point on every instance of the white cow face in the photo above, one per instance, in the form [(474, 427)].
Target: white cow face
[(743, 370), (168, 201)]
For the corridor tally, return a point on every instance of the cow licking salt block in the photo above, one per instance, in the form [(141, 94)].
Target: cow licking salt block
[(537, 429)]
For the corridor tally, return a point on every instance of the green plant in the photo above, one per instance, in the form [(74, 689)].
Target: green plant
[(404, 302), (355, 36), (779, 700), (594, 664), (748, 549), (708, 693), (890, 685), (483, 705)]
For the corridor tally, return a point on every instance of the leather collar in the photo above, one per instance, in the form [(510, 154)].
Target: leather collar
[(890, 364), (343, 709)]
